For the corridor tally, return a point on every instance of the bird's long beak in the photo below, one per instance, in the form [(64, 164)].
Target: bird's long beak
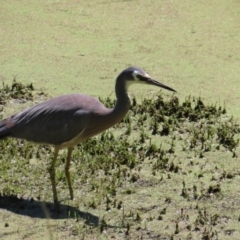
[(151, 81), (156, 83)]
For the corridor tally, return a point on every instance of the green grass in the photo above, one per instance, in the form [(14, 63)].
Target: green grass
[(160, 176)]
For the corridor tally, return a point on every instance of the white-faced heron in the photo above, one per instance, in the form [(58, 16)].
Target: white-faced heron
[(68, 120)]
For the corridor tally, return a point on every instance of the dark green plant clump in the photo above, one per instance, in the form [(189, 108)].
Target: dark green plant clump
[(17, 91)]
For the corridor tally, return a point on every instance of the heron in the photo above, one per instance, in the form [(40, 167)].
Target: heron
[(68, 120)]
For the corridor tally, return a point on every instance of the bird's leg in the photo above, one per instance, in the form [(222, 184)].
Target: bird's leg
[(52, 177), (67, 172)]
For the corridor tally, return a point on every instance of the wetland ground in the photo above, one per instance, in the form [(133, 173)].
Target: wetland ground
[(170, 170)]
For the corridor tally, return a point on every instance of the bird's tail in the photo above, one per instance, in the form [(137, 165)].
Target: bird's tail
[(5, 131)]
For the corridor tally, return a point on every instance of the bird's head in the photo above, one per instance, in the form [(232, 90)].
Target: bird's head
[(136, 75)]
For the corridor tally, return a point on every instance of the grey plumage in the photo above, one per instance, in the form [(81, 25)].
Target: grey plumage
[(57, 120), (66, 121)]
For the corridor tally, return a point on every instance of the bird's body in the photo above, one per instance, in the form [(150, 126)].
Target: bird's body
[(62, 122), (68, 120)]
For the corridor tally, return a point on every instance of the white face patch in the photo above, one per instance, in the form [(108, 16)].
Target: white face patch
[(135, 73), (136, 79)]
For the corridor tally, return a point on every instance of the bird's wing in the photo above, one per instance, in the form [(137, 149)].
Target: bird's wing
[(53, 122), (49, 127)]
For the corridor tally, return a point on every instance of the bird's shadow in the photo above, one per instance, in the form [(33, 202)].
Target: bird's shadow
[(40, 209)]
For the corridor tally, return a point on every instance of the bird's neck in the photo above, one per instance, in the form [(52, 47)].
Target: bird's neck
[(123, 100), (116, 114), (108, 117), (122, 105)]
